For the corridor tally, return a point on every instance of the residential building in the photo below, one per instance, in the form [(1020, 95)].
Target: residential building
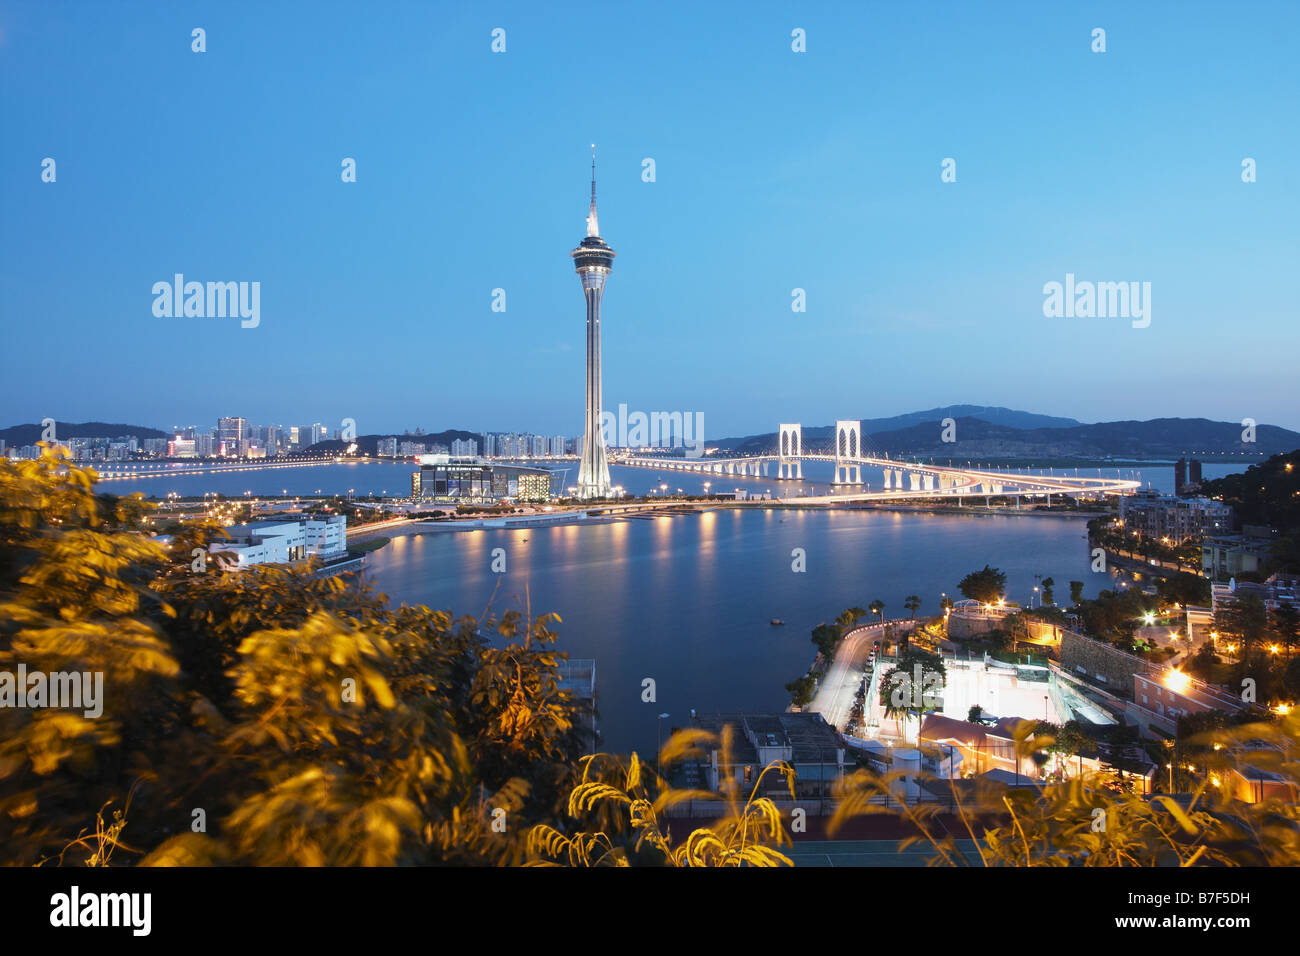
[(1165, 695), (1167, 516), (1228, 556), (803, 740), (232, 433)]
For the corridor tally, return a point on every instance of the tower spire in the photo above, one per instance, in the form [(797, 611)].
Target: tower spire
[(593, 227)]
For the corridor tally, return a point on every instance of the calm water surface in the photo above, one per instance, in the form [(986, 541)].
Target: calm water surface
[(687, 600)]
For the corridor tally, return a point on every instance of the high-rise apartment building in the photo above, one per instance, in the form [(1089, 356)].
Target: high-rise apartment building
[(231, 435)]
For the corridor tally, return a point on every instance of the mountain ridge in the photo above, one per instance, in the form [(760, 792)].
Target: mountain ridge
[(1153, 438)]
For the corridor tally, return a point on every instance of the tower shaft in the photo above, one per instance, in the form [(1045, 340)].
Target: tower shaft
[(593, 471)]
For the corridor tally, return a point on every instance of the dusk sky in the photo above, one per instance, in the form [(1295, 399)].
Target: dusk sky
[(775, 170)]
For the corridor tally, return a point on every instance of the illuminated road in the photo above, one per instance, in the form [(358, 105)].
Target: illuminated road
[(834, 698)]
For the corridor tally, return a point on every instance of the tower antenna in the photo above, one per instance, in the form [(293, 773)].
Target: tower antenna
[(593, 226)]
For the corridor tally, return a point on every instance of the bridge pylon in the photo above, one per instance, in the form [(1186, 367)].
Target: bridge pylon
[(848, 446), (789, 451)]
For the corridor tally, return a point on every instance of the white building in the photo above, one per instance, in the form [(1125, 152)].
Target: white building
[(282, 542), (467, 448), (557, 445)]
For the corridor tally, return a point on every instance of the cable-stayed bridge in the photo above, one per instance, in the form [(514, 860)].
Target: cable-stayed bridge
[(900, 479)]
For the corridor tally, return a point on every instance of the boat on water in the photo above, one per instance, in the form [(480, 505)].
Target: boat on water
[(777, 622)]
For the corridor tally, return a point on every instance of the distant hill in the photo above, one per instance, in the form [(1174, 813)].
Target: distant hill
[(19, 435), (993, 414), (977, 438)]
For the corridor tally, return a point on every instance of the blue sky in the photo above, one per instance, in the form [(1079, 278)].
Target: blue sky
[(775, 170)]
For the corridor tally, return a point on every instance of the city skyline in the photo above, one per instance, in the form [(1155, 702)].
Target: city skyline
[(918, 292)]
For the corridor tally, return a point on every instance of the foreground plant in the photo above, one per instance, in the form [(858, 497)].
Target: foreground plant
[(636, 803), (263, 717), (1078, 822)]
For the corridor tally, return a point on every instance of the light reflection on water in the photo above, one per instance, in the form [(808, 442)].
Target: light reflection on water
[(687, 601)]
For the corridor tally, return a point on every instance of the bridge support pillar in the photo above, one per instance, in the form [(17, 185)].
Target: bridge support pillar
[(789, 450), (927, 482), (915, 480), (848, 447)]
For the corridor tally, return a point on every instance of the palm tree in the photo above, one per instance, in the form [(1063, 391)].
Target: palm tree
[(878, 607), (848, 618), (913, 604), (897, 709)]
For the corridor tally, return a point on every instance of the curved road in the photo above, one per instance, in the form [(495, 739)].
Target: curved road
[(834, 697)]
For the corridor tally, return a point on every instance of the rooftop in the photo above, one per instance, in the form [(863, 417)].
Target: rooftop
[(807, 735)]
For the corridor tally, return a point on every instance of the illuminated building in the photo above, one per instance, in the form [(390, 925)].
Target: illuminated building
[(448, 478)]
